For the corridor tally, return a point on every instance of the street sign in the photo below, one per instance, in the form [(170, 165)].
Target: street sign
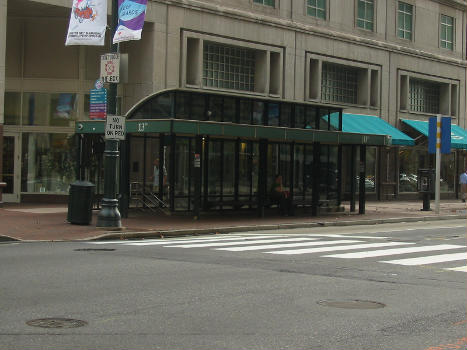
[(110, 67), (115, 128), (98, 104)]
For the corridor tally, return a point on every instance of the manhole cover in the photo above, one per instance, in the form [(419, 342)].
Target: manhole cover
[(56, 323), (352, 304), (94, 250)]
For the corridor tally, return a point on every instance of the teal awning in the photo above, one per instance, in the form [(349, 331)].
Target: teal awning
[(458, 135), (369, 124)]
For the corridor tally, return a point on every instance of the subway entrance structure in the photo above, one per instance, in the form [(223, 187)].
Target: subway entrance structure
[(196, 151)]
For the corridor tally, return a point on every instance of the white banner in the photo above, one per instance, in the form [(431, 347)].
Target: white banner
[(88, 22)]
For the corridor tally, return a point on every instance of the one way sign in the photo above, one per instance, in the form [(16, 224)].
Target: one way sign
[(115, 128)]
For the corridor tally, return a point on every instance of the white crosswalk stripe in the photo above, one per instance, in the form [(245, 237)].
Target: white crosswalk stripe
[(357, 247), (396, 251), (460, 268), (287, 245), (334, 248), (219, 244), (433, 259)]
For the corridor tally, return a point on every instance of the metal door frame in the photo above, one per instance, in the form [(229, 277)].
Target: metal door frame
[(16, 195)]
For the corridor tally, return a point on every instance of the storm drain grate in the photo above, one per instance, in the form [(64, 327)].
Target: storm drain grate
[(352, 304), (56, 323)]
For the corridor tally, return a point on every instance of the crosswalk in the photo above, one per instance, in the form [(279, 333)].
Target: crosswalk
[(337, 246)]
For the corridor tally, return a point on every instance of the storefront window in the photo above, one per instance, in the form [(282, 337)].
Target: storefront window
[(448, 172), (411, 159), (43, 109), (48, 162), (12, 108)]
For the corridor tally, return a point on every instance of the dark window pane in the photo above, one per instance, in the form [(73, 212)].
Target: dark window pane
[(286, 115), (245, 112), (273, 114)]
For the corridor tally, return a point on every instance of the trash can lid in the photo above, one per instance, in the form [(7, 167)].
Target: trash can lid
[(79, 183)]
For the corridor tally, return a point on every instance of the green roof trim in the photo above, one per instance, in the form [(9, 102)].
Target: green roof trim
[(195, 127)]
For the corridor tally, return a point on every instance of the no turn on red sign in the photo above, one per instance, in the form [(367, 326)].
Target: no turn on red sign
[(110, 67), (115, 128)]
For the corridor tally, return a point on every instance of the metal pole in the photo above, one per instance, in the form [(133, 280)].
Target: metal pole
[(109, 216), (438, 162)]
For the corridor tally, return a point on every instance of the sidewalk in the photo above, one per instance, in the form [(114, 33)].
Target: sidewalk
[(42, 222)]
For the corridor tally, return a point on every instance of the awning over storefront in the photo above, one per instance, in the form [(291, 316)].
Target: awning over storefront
[(369, 124), (458, 135)]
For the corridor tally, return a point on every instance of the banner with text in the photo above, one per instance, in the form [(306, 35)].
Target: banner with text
[(88, 21), (131, 15)]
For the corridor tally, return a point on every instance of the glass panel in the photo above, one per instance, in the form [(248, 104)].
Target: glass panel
[(8, 174), (258, 108), (448, 172), (370, 181), (335, 118), (198, 111), (229, 169), (324, 119), (244, 169), (215, 108), (159, 107), (48, 162), (333, 175), (311, 116), (12, 108), (299, 162), (182, 105), (411, 159), (308, 172), (273, 165), (49, 109), (229, 110), (299, 117), (245, 112), (214, 168), (286, 115), (285, 166), (182, 173), (273, 114)]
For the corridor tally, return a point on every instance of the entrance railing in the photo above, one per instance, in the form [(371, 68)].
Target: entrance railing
[(146, 200)]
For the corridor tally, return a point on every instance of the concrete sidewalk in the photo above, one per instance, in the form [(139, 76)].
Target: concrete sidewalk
[(42, 222)]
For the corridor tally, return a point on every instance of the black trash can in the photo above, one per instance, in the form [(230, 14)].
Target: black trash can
[(80, 202)]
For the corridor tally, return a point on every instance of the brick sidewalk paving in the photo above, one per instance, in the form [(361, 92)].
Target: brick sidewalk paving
[(48, 222)]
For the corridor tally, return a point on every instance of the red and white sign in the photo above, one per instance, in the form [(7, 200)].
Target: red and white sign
[(110, 68)]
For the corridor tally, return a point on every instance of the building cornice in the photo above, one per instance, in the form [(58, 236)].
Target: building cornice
[(311, 29)]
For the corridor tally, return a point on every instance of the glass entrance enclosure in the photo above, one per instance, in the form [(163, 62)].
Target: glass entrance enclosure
[(187, 150)]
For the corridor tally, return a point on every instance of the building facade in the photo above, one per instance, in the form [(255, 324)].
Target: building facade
[(397, 60)]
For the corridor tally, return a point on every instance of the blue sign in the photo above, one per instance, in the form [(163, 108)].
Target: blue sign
[(445, 135), (98, 104)]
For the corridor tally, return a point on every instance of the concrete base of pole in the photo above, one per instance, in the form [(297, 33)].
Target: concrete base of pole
[(109, 216)]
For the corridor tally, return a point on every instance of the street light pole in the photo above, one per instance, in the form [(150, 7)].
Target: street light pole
[(109, 216)]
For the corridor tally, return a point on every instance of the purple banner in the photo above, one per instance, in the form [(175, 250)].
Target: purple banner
[(131, 15)]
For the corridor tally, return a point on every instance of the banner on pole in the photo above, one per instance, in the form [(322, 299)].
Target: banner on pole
[(131, 15), (88, 21)]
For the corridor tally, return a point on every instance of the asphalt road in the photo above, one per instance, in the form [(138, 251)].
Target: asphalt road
[(392, 286)]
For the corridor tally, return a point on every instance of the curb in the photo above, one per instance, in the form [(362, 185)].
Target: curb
[(231, 229), (113, 235)]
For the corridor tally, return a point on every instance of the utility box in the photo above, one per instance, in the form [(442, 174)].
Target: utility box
[(426, 181), (80, 201)]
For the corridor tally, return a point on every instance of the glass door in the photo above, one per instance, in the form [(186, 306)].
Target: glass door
[(11, 167)]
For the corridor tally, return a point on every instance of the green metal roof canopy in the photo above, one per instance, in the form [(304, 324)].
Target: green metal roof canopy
[(458, 135), (195, 127), (369, 124)]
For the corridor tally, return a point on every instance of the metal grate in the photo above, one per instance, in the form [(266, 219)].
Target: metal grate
[(228, 67)]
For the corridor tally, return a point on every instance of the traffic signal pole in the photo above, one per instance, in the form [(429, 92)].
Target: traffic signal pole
[(109, 216)]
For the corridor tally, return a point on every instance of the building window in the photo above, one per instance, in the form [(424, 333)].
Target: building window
[(365, 14), (405, 20), (424, 96), (265, 2), (316, 8), (339, 83), (447, 32), (228, 67)]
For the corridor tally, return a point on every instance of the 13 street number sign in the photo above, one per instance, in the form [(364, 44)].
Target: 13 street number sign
[(115, 128), (110, 68)]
